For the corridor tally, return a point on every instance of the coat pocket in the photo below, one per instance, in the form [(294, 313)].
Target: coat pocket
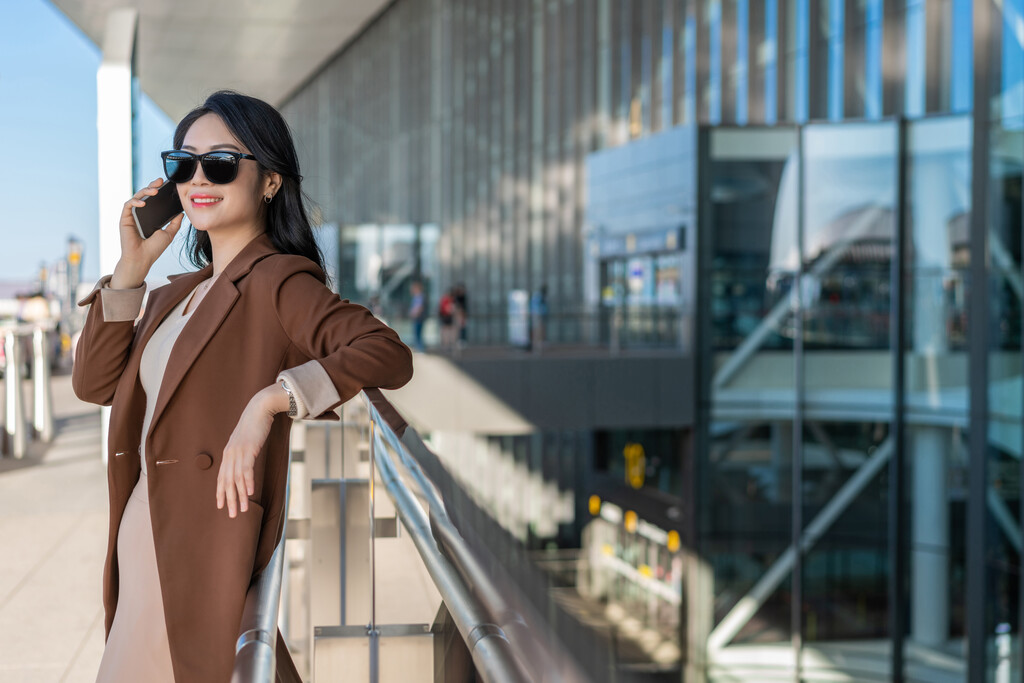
[(232, 549)]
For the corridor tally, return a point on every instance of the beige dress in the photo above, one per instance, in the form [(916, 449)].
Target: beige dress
[(137, 647)]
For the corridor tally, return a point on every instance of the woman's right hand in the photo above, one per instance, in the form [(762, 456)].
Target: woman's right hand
[(139, 255)]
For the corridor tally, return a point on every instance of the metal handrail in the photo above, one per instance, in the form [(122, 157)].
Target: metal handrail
[(521, 625), (255, 650), (488, 645), (468, 593)]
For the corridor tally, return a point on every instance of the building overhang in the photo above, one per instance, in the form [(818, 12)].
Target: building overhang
[(189, 48)]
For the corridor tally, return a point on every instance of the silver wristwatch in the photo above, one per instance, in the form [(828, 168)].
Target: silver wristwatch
[(293, 408)]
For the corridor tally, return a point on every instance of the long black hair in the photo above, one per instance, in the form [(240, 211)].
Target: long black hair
[(263, 130)]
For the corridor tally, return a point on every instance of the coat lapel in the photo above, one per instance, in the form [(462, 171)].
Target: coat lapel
[(194, 337), (161, 302), (170, 296), (206, 319)]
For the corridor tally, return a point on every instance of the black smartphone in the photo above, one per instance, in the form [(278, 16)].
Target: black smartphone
[(158, 210)]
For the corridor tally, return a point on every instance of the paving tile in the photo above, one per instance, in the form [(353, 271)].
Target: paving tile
[(53, 518)]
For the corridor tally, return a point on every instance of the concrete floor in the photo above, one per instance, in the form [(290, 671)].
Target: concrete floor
[(53, 524)]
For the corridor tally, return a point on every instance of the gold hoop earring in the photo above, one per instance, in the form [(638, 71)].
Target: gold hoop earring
[(267, 198)]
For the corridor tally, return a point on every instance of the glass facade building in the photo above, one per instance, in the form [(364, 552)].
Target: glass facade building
[(818, 202)]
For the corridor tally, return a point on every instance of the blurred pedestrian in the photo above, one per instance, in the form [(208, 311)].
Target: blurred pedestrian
[(417, 313), (446, 315), (461, 313), (538, 317)]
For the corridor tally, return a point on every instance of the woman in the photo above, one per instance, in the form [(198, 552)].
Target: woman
[(202, 389)]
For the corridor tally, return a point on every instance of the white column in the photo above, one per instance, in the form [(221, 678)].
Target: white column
[(929, 446), (114, 138)]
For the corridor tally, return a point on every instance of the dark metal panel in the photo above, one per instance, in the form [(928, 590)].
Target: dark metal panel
[(569, 270), (783, 86), (550, 252), (978, 323), (538, 148), (681, 12), (938, 55), (635, 27), (654, 17), (817, 59), (797, 519), (484, 273), (568, 410), (893, 58), (499, 282), (755, 71), (694, 625), (703, 61), (898, 540), (854, 64), (728, 60), (509, 114), (524, 140), (1020, 511), (565, 392)]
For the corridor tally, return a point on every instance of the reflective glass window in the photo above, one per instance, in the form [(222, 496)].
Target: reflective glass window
[(665, 66), (750, 218), (1011, 102), (849, 203), (770, 54), (873, 59), (714, 93), (962, 58), (740, 69), (690, 65), (1003, 437), (836, 27), (935, 377), (801, 45), (624, 29), (645, 87), (914, 83)]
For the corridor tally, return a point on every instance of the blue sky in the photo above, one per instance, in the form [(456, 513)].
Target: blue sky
[(48, 183)]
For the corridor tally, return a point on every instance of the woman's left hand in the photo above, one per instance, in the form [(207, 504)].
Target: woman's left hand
[(236, 480)]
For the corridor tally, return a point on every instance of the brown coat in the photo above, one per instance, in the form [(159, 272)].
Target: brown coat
[(267, 312)]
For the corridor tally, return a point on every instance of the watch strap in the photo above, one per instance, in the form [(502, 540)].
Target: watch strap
[(293, 400)]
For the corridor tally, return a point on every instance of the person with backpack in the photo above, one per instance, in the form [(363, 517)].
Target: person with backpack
[(461, 301), (446, 314)]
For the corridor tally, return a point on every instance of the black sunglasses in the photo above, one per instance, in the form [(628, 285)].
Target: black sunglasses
[(219, 167)]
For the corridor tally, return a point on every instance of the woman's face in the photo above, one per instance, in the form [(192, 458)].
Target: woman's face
[(230, 206)]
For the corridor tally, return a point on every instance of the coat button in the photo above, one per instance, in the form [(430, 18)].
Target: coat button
[(204, 461)]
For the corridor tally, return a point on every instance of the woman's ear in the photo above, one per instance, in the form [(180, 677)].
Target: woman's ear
[(271, 183)]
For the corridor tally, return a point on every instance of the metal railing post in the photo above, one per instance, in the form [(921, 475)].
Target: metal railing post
[(14, 422), (42, 414), (371, 629), (255, 649)]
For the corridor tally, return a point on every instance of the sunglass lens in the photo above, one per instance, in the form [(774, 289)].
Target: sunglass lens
[(179, 167), (220, 168)]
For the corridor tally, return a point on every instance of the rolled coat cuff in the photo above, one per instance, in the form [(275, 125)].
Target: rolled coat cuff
[(313, 388), (119, 305)]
